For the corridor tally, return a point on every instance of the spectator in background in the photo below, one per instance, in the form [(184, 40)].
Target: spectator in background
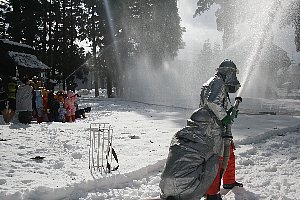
[(53, 106), (69, 105), (38, 105), (24, 101), (61, 95), (45, 105), (37, 99), (11, 99), (32, 84)]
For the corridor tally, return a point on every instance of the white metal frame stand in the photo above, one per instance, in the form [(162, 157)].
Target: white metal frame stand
[(100, 149)]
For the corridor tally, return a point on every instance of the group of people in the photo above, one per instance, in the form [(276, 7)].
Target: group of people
[(201, 154), (33, 101)]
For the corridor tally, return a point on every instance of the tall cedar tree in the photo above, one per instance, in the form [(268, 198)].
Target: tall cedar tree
[(293, 18), (130, 29), (154, 28)]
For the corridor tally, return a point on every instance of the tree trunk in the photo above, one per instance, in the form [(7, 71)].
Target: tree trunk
[(17, 32), (44, 38), (64, 48), (55, 45), (109, 85), (50, 57), (96, 75)]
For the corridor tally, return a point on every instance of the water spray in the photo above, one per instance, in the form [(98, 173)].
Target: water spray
[(258, 47), (227, 141)]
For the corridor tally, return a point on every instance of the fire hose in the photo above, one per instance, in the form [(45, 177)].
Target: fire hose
[(233, 111)]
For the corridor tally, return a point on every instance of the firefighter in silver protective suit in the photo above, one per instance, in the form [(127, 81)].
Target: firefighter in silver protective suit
[(193, 161)]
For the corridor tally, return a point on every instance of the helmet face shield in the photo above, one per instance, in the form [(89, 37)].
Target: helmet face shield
[(231, 82), (232, 88), (228, 70)]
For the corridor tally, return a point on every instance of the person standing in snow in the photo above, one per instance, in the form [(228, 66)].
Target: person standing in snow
[(45, 105), (70, 106), (227, 159), (193, 166), (12, 87), (38, 105), (53, 106), (38, 99), (24, 101), (61, 96)]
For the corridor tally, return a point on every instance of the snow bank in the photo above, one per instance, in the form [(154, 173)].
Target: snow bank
[(267, 154)]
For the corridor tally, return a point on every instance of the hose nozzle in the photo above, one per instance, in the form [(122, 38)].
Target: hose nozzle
[(234, 109), (237, 102)]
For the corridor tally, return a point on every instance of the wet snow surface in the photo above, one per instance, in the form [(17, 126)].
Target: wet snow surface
[(268, 159)]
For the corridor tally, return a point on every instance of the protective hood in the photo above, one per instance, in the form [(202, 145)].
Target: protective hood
[(228, 71), (231, 82)]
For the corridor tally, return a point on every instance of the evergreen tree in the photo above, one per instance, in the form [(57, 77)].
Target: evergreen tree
[(226, 17), (3, 23), (30, 15), (293, 18), (206, 53), (154, 28), (51, 27), (93, 30), (14, 18), (119, 31), (216, 49)]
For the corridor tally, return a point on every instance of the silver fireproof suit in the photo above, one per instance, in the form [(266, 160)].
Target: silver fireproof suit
[(193, 159)]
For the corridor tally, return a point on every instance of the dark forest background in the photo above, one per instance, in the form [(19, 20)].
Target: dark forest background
[(118, 32)]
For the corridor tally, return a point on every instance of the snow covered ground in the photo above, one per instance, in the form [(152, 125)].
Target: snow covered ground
[(268, 159)]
